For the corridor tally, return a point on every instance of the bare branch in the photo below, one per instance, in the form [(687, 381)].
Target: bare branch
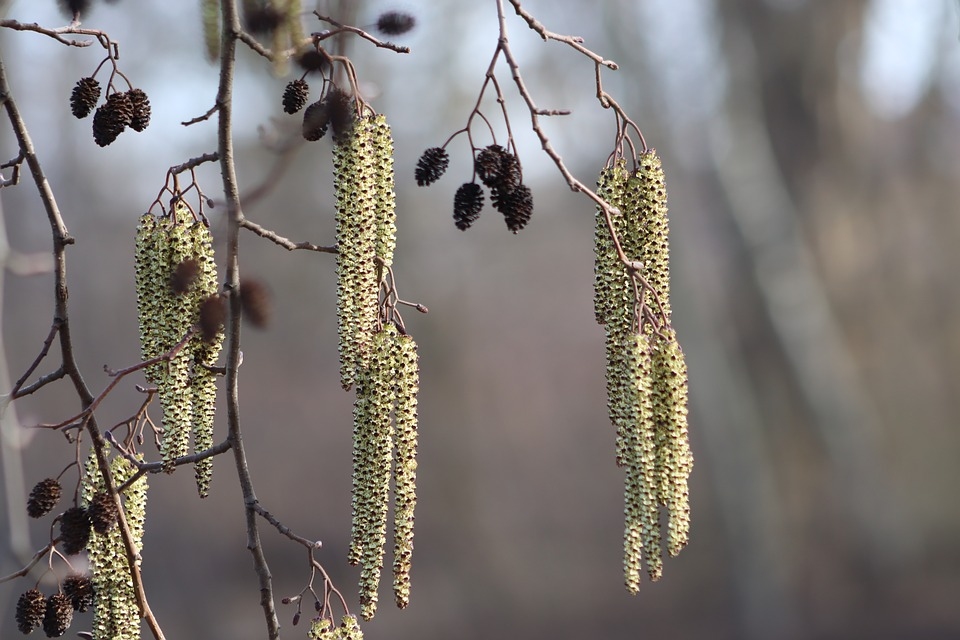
[(206, 116), (277, 239), (340, 28), (193, 163)]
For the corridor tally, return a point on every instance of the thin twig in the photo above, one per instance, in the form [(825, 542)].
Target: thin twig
[(54, 328), (193, 163), (285, 530), (206, 116), (319, 37), (279, 240), (37, 557)]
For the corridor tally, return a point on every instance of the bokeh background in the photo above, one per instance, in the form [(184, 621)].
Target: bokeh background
[(812, 154)]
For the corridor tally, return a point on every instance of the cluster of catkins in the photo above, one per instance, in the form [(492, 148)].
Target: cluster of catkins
[(119, 111), (323, 629), (176, 279), (90, 526), (377, 360), (499, 170), (646, 372)]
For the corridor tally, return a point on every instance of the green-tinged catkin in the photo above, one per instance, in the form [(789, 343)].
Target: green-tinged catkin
[(357, 194), (116, 613), (674, 459), (210, 11), (641, 515), (203, 384), (407, 385), (610, 292), (377, 384), (149, 258), (386, 234), (649, 188)]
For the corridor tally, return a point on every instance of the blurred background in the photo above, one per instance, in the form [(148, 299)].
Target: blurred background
[(812, 155)]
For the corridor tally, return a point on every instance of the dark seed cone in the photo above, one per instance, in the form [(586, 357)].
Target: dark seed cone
[(487, 164), (261, 20), (30, 609), (509, 175), (57, 616), (84, 97), (342, 112), (213, 313), (102, 512), (311, 60), (395, 23), (255, 302), (516, 206), (111, 118), (184, 275), (316, 119), (74, 530), (43, 498), (295, 95), (431, 165), (467, 204), (139, 109), (80, 591)]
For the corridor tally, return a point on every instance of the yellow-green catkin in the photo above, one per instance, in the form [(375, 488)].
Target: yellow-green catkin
[(356, 183), (150, 257), (116, 613), (386, 215), (610, 293), (407, 385), (674, 459), (373, 456), (204, 381), (210, 11), (650, 192)]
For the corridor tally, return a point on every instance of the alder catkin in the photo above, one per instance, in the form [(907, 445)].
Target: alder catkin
[(406, 380)]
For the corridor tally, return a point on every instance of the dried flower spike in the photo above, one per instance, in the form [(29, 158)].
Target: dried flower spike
[(395, 23), (43, 498), (431, 165), (84, 97)]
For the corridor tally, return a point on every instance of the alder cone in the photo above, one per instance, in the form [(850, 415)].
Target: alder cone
[(43, 498)]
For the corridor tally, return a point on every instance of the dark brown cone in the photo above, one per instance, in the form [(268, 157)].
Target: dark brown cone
[(74, 530), (102, 512), (395, 23), (467, 204), (342, 112), (312, 60), (111, 118), (255, 302), (213, 313), (431, 166), (516, 206), (43, 498), (57, 616), (487, 164), (30, 608), (295, 95), (315, 121), (140, 109), (80, 591), (84, 97)]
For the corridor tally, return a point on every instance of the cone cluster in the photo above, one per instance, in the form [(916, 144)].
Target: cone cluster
[(646, 372), (169, 302), (116, 613), (119, 111)]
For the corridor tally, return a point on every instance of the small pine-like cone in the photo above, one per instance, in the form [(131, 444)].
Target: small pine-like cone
[(83, 98), (431, 166), (80, 591), (395, 23), (316, 119), (139, 109), (103, 513), (343, 113), (111, 118), (674, 459), (467, 205), (57, 616), (487, 164), (295, 95), (406, 386), (516, 206), (509, 175), (43, 498), (30, 609), (74, 530)]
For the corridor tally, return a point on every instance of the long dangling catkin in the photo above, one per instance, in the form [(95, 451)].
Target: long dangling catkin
[(386, 234), (649, 186), (116, 613), (407, 385), (356, 186), (205, 353)]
